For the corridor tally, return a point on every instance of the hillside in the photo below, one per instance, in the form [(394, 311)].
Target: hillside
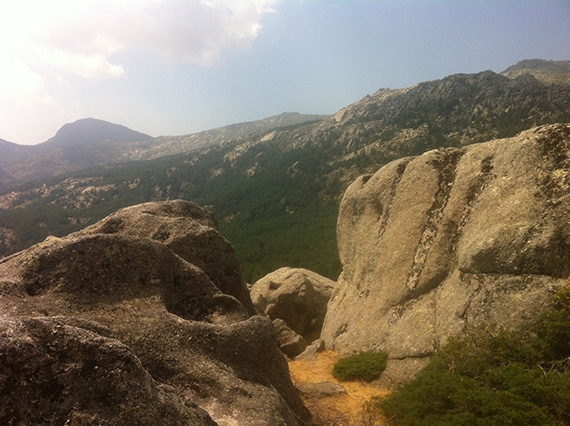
[(90, 142), (12, 153), (548, 72), (276, 191)]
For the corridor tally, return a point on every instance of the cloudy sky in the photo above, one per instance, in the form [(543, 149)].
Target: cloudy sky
[(173, 67)]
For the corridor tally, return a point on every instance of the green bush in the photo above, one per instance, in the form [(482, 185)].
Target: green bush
[(365, 365), (553, 328), (491, 376)]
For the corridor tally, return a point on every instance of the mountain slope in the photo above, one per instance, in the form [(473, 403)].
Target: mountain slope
[(172, 145), (276, 191), (549, 72), (90, 131), (12, 153), (90, 142)]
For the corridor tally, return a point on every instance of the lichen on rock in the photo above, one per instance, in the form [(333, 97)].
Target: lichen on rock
[(453, 237)]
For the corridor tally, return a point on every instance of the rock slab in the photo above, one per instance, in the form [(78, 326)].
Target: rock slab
[(430, 244)]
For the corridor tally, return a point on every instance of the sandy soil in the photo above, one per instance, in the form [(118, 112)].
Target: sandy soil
[(340, 410)]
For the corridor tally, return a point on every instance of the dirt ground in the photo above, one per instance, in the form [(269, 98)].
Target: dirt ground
[(339, 410)]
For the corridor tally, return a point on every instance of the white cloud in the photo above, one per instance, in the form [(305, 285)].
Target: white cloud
[(43, 44), (17, 78), (80, 36), (191, 31)]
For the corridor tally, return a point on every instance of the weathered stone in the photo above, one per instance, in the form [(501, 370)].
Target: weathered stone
[(311, 353), (321, 389), (189, 231), (55, 373), (199, 345), (297, 296), (453, 237), (290, 343)]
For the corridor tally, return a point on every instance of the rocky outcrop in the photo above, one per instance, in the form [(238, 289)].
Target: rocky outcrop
[(453, 237), (297, 296), (86, 317), (56, 372), (190, 232)]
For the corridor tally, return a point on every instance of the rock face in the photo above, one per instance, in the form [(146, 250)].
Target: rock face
[(66, 374), (453, 237), (297, 296), (111, 328), (190, 232)]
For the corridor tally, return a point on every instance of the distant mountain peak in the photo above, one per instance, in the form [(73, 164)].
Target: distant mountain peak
[(548, 72), (540, 64), (89, 131)]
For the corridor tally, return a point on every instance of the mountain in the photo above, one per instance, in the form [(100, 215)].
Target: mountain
[(90, 142), (549, 72), (172, 145), (90, 131), (78, 145), (276, 191), (12, 153)]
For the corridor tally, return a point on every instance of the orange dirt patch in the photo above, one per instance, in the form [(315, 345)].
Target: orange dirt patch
[(339, 410)]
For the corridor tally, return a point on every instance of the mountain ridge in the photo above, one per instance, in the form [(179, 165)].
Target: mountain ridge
[(549, 72), (276, 191), (91, 142)]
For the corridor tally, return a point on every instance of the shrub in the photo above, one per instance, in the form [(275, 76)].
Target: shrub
[(365, 365), (490, 376), (553, 328)]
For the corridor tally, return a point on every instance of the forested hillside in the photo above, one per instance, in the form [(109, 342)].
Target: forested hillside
[(276, 192)]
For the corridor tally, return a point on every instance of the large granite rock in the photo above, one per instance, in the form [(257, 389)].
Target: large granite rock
[(453, 237), (55, 372), (86, 317), (189, 231), (297, 296)]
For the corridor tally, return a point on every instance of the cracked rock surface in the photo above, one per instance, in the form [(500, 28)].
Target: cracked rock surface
[(453, 237), (111, 326)]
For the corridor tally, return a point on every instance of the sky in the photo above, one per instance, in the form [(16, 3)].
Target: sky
[(174, 67)]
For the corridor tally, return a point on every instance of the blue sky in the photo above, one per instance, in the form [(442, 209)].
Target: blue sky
[(173, 67)]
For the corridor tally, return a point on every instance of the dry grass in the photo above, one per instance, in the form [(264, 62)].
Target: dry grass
[(339, 410)]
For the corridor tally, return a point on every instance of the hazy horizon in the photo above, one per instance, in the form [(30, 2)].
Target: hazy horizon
[(171, 67)]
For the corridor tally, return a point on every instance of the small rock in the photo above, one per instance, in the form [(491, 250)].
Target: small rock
[(321, 390), (290, 343), (311, 353)]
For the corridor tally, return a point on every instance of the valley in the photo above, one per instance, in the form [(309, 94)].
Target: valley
[(426, 241), (275, 185)]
